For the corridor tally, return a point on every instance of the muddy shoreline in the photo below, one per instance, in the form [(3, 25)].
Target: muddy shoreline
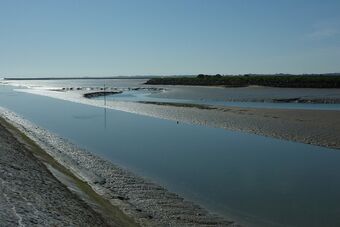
[(316, 127), (30, 194), (148, 203), (100, 93), (135, 196)]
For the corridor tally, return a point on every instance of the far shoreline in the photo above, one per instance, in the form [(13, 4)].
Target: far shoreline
[(269, 80)]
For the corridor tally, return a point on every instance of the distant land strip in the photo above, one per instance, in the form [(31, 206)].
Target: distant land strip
[(78, 78), (276, 80)]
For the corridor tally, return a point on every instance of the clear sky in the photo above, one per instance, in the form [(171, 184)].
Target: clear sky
[(166, 37)]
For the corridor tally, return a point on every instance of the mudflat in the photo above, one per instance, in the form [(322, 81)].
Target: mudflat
[(310, 126), (317, 127), (31, 195)]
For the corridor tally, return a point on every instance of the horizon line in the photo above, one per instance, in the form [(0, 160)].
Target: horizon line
[(156, 75)]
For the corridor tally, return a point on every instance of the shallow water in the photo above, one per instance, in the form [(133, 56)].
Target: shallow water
[(263, 181), (251, 97), (142, 96), (122, 83)]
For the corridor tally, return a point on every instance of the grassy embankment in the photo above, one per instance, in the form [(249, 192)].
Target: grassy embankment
[(120, 218), (279, 80)]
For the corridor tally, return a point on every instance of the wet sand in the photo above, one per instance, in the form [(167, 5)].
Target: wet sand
[(146, 202), (250, 94), (31, 195), (317, 127), (31, 192)]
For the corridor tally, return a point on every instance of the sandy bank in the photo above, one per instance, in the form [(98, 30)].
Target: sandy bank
[(148, 203), (317, 127), (251, 94), (30, 194)]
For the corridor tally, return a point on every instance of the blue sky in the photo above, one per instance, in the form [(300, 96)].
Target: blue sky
[(142, 37)]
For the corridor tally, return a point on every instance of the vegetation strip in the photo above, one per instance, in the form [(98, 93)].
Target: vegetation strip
[(276, 80)]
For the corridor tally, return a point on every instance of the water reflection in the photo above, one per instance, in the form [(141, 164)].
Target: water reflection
[(105, 121), (146, 96), (266, 181)]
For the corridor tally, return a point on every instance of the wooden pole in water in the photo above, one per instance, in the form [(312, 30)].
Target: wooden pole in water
[(104, 106), (104, 95)]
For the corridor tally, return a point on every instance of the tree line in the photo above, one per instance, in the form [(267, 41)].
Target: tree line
[(275, 80)]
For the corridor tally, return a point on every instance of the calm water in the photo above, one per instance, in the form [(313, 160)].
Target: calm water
[(121, 83), (199, 95), (136, 96), (264, 181)]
